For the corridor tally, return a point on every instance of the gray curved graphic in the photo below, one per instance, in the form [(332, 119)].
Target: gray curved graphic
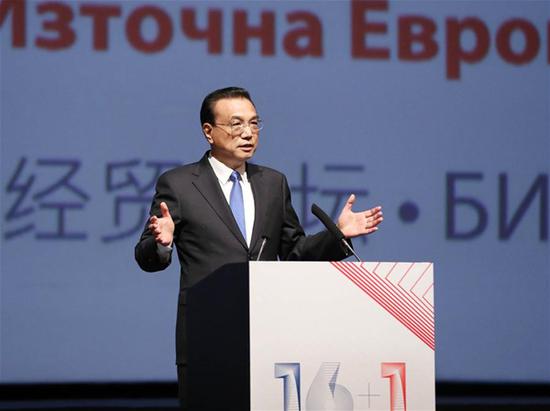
[(324, 394)]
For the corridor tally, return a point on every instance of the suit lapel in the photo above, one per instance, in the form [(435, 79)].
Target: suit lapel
[(255, 176), (208, 185)]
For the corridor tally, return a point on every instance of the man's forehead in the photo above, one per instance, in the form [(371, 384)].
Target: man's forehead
[(234, 107)]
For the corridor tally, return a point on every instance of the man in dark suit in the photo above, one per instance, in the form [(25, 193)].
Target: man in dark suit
[(222, 210)]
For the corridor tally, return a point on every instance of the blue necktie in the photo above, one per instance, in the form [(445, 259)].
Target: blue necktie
[(236, 202)]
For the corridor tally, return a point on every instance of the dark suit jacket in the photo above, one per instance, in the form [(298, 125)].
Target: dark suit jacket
[(206, 234)]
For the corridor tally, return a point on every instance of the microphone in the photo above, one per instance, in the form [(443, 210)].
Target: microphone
[(329, 224), (264, 240)]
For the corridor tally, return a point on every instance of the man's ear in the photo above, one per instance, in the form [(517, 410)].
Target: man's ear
[(207, 131)]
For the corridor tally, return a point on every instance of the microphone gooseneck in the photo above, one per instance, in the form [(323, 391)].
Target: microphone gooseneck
[(264, 240), (332, 228)]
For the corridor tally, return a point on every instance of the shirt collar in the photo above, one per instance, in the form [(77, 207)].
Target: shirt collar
[(223, 172)]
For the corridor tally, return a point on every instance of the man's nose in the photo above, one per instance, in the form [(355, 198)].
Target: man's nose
[(247, 132)]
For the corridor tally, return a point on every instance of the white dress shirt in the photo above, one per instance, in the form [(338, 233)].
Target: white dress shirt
[(223, 173)]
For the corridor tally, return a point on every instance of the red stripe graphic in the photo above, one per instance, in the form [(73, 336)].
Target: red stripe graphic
[(405, 297), (397, 294), (414, 311), (398, 307), (409, 297), (393, 307)]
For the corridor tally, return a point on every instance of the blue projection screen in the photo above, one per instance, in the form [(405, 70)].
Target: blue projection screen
[(437, 110)]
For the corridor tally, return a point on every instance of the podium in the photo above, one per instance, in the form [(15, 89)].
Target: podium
[(313, 336)]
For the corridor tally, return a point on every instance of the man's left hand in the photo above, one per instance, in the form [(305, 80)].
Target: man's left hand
[(361, 223)]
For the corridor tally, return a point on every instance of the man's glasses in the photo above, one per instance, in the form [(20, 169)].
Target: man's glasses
[(238, 127)]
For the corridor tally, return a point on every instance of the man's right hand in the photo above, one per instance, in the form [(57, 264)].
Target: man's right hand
[(162, 228)]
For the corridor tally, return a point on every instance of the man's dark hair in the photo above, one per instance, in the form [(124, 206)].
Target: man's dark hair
[(207, 108)]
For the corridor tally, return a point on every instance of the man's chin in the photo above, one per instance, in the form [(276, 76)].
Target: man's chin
[(247, 154)]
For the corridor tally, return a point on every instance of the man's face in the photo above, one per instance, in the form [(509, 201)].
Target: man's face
[(232, 149)]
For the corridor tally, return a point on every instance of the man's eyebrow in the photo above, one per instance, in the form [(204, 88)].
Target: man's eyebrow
[(256, 117)]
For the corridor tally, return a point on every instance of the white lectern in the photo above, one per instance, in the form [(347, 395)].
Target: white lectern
[(313, 336)]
